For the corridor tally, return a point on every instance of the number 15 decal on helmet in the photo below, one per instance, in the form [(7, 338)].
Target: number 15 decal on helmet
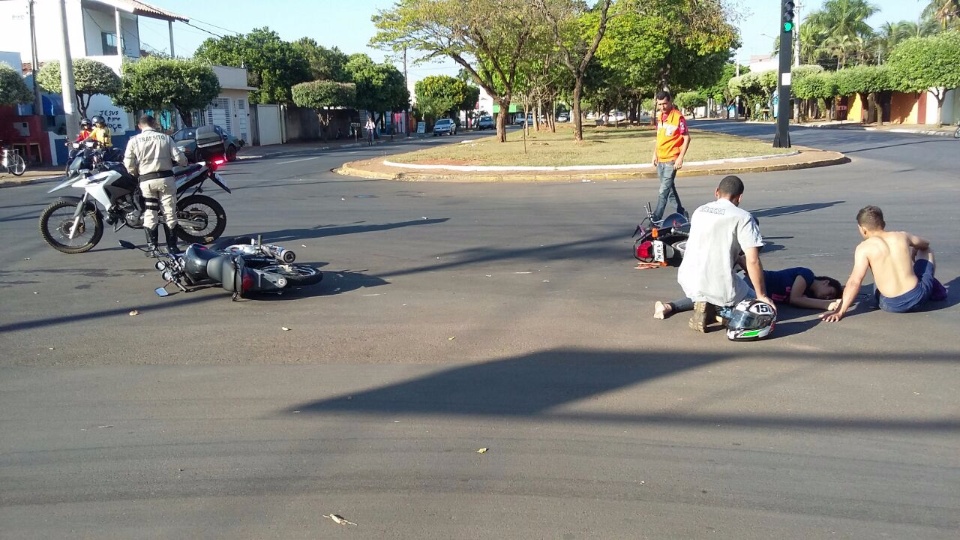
[(751, 320)]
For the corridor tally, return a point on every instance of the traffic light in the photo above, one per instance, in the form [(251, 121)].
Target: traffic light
[(788, 7)]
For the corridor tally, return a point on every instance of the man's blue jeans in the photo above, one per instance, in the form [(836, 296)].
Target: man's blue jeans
[(668, 190)]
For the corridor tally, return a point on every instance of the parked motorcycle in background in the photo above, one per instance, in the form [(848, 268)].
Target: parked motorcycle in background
[(111, 194)]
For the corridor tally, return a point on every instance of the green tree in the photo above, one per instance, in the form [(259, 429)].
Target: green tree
[(487, 38), (578, 32), (442, 95), (841, 28), (812, 85), (156, 82), (927, 64), (380, 87), (12, 88), (689, 101), (325, 64), (945, 12), (273, 65), (323, 97), (89, 78)]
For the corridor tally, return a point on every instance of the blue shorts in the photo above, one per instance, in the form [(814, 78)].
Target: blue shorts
[(913, 298)]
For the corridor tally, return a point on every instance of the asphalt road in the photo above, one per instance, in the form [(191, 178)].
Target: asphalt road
[(455, 317)]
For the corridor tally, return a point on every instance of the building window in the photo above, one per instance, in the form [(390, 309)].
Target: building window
[(109, 42)]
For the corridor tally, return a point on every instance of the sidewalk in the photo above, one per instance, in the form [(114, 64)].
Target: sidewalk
[(942, 131)]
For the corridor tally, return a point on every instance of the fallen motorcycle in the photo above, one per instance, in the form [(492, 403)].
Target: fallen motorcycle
[(661, 243), (75, 224), (241, 269)]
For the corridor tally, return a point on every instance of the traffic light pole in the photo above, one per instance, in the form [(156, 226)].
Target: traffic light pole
[(782, 137)]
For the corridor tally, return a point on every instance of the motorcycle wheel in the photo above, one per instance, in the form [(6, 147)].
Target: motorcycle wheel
[(202, 220), (57, 219), (297, 275)]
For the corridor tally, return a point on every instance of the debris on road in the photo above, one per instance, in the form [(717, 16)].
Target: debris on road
[(339, 520), (284, 328), (134, 313), (482, 450)]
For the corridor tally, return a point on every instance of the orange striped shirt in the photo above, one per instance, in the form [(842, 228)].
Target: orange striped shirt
[(671, 128)]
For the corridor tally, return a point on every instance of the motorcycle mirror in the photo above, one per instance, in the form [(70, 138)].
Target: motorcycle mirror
[(127, 245), (161, 292)]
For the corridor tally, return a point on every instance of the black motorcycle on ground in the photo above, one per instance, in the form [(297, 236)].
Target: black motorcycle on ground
[(243, 268), (661, 243)]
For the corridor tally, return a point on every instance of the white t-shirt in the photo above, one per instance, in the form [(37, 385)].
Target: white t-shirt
[(719, 231)]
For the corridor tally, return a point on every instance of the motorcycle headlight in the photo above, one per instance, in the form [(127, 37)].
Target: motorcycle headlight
[(161, 266)]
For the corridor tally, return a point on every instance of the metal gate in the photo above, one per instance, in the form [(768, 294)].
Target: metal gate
[(268, 124), (218, 113)]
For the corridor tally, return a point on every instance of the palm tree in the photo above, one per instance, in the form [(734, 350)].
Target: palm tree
[(843, 23), (945, 12)]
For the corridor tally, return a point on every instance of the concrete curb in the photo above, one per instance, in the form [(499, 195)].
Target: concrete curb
[(14, 181), (356, 169), (854, 126)]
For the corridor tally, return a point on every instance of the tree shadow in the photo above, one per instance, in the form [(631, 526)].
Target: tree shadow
[(323, 231), (786, 210), (543, 384)]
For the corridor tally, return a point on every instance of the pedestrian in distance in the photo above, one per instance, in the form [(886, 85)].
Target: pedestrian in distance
[(902, 265), (371, 129), (673, 139), (719, 232), (151, 156)]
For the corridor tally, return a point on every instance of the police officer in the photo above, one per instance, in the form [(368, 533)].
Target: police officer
[(151, 155)]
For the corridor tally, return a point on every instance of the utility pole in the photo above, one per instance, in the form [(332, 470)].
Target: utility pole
[(782, 137), (406, 84), (66, 78), (37, 102), (796, 56)]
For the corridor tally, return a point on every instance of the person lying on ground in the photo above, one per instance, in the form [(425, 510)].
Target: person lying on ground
[(794, 286), (902, 265)]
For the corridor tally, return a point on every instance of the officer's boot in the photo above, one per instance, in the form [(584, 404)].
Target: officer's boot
[(151, 241), (171, 235)]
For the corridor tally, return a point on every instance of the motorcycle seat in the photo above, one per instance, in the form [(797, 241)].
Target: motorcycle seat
[(186, 169)]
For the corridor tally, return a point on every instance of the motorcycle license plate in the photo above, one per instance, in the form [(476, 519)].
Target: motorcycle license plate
[(658, 254)]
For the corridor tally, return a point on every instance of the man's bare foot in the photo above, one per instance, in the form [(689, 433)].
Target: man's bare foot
[(661, 310)]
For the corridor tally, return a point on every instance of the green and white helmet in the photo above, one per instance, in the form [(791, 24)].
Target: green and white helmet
[(751, 320)]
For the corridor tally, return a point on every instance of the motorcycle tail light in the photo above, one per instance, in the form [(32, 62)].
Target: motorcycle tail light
[(216, 163), (644, 251), (246, 282)]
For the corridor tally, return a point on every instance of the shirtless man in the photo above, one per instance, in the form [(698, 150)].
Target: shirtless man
[(902, 266)]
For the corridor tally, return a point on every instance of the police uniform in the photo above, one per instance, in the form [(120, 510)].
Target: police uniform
[(151, 156)]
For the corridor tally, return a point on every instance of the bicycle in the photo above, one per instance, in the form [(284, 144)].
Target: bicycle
[(12, 162)]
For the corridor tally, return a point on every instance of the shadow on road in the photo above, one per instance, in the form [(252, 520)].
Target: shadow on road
[(791, 209), (104, 314), (543, 384), (323, 231)]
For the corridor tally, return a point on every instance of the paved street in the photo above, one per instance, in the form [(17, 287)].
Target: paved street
[(454, 317)]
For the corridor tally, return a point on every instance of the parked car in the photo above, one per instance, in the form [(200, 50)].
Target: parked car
[(486, 122), (520, 121), (186, 139), (444, 125), (563, 117)]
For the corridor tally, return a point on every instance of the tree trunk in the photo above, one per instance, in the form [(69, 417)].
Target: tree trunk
[(577, 118), (186, 117), (504, 103)]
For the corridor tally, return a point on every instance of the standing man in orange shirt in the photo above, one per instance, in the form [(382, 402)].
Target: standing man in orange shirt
[(673, 139)]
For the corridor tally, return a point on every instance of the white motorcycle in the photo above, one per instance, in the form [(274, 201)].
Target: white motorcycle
[(111, 194)]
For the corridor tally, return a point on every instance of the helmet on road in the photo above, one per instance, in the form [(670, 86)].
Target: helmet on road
[(85, 124), (751, 320), (97, 120)]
